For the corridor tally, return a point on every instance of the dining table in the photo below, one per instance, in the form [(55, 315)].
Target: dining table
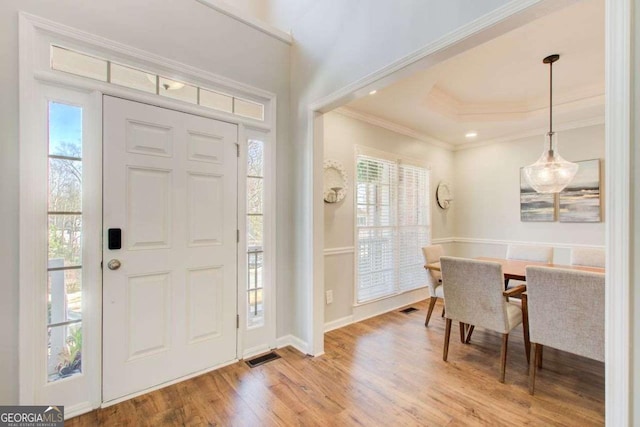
[(513, 269)]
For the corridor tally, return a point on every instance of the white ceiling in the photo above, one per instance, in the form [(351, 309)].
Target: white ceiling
[(501, 88)]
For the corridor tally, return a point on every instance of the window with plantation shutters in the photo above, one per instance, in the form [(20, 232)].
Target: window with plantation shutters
[(392, 225)]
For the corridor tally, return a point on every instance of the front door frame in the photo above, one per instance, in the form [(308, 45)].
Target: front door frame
[(35, 36)]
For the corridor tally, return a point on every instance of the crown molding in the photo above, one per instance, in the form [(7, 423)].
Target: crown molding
[(402, 130), (391, 126), (561, 127), (240, 16), (443, 102)]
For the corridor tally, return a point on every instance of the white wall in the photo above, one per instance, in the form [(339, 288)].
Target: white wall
[(341, 135), (487, 195), (185, 31)]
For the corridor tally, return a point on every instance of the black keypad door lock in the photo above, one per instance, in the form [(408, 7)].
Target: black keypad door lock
[(114, 238)]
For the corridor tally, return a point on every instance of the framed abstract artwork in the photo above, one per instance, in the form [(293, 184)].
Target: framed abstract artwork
[(535, 207), (580, 201)]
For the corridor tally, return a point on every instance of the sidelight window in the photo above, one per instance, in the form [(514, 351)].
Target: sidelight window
[(64, 285), (255, 233)]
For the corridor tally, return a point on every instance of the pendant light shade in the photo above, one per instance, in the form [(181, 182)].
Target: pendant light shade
[(551, 173)]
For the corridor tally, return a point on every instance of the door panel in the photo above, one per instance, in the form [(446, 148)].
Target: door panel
[(170, 184)]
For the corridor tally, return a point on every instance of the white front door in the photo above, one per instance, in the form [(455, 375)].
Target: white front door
[(170, 186)]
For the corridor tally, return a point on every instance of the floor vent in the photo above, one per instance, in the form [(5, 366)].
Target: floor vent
[(261, 360), (408, 310)]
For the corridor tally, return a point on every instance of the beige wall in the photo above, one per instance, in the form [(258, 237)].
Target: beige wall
[(486, 183), (487, 195), (341, 135)]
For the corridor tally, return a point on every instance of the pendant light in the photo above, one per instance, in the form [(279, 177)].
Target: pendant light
[(551, 173)]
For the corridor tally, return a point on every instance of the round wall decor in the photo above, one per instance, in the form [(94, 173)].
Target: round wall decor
[(444, 195), (335, 181)]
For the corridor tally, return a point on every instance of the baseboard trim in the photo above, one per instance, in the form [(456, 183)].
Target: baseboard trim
[(338, 323), (79, 409), (367, 311), (293, 341)]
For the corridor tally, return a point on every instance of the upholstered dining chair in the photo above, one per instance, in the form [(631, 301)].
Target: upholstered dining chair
[(474, 295), (566, 312), (588, 257), (528, 253), (432, 254)]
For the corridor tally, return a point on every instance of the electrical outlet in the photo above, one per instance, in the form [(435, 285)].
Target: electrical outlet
[(329, 297)]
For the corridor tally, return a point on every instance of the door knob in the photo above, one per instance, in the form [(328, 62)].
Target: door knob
[(114, 264)]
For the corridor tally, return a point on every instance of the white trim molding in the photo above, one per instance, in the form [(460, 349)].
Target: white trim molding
[(391, 126), (244, 17), (137, 57), (412, 133), (619, 378), (560, 127), (338, 323), (295, 342), (339, 251), (480, 241)]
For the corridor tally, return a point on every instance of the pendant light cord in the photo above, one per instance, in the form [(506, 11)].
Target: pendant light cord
[(551, 97)]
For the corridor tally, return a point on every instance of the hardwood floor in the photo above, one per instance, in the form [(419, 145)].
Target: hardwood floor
[(383, 371)]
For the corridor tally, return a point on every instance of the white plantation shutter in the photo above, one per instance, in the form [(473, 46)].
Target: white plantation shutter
[(413, 225), (392, 225)]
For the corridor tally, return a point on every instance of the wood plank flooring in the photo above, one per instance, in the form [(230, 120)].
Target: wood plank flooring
[(384, 371)]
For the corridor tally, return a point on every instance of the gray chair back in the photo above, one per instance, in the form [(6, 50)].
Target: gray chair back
[(530, 253), (588, 257), (473, 293), (432, 254), (566, 310)]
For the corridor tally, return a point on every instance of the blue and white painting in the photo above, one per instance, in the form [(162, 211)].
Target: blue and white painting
[(534, 206), (580, 200)]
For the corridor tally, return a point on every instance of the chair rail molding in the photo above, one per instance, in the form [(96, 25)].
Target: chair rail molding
[(481, 241), (339, 251)]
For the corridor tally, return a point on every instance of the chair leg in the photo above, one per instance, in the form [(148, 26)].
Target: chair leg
[(532, 368), (469, 333), (463, 332), (432, 304), (442, 315), (447, 335), (525, 326), (539, 356), (506, 284), (503, 356)]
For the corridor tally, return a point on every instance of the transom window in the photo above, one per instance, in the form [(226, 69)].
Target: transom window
[(81, 64), (392, 225)]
